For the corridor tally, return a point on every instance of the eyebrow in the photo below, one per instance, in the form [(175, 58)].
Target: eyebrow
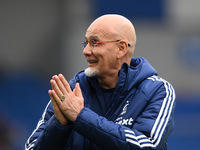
[(92, 37)]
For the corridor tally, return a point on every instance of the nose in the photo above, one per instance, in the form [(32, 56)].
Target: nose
[(87, 50)]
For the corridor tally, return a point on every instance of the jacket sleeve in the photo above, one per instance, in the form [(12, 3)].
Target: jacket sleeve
[(150, 130), (48, 132)]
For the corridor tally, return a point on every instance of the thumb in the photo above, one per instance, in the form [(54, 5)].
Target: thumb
[(78, 90)]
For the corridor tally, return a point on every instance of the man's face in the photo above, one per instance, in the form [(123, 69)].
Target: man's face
[(101, 57)]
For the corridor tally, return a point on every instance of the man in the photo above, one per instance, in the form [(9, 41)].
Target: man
[(118, 102)]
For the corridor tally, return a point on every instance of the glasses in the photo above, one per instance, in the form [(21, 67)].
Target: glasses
[(94, 43)]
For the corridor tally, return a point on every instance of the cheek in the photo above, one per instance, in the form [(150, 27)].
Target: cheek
[(109, 60)]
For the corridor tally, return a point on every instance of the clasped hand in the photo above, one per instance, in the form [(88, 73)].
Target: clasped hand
[(67, 110)]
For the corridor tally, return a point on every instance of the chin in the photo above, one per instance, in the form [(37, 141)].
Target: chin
[(91, 72)]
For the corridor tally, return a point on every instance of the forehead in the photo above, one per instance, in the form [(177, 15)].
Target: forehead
[(97, 31)]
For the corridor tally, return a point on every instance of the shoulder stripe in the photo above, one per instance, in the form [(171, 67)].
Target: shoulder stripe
[(161, 121), (164, 114), (28, 145)]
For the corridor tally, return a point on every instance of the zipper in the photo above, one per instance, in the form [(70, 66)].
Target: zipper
[(113, 105), (114, 102)]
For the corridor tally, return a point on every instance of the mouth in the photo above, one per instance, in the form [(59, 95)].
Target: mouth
[(92, 63)]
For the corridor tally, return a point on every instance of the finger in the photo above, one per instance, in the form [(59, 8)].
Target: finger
[(65, 83), (52, 98), (56, 99), (55, 106), (59, 115), (60, 84), (74, 91), (50, 94), (78, 90), (55, 88)]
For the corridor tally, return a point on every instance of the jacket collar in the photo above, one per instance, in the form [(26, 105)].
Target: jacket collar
[(131, 75)]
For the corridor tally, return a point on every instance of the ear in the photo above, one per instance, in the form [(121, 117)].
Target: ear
[(122, 49)]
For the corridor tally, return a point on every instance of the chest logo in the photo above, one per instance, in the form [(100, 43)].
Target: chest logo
[(126, 122), (122, 120), (125, 108)]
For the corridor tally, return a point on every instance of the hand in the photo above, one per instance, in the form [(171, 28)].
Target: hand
[(73, 103), (60, 117)]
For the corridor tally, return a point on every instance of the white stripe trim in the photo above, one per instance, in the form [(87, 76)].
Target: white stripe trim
[(147, 145), (164, 113), (135, 137), (161, 121), (132, 141), (29, 145), (138, 138), (130, 136), (138, 144), (151, 78), (141, 136), (167, 119), (130, 131), (160, 113), (144, 140)]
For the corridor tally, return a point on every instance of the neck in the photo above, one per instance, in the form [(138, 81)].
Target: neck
[(108, 82)]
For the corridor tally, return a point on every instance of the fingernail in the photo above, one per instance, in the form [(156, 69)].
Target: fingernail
[(60, 75), (52, 81)]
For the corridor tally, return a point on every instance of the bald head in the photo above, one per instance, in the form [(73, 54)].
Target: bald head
[(116, 26)]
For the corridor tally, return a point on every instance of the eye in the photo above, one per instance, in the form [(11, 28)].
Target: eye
[(93, 42)]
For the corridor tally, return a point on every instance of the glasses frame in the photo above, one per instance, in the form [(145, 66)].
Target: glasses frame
[(85, 43)]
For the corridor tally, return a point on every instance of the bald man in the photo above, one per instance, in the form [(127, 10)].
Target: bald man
[(117, 103)]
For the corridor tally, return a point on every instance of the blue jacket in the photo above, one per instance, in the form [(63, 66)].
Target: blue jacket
[(140, 115)]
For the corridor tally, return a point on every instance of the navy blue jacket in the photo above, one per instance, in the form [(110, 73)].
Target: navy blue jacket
[(140, 115)]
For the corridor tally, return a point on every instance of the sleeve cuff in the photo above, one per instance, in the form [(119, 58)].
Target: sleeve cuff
[(56, 124)]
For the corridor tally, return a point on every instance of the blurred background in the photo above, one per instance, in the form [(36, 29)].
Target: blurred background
[(40, 38)]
